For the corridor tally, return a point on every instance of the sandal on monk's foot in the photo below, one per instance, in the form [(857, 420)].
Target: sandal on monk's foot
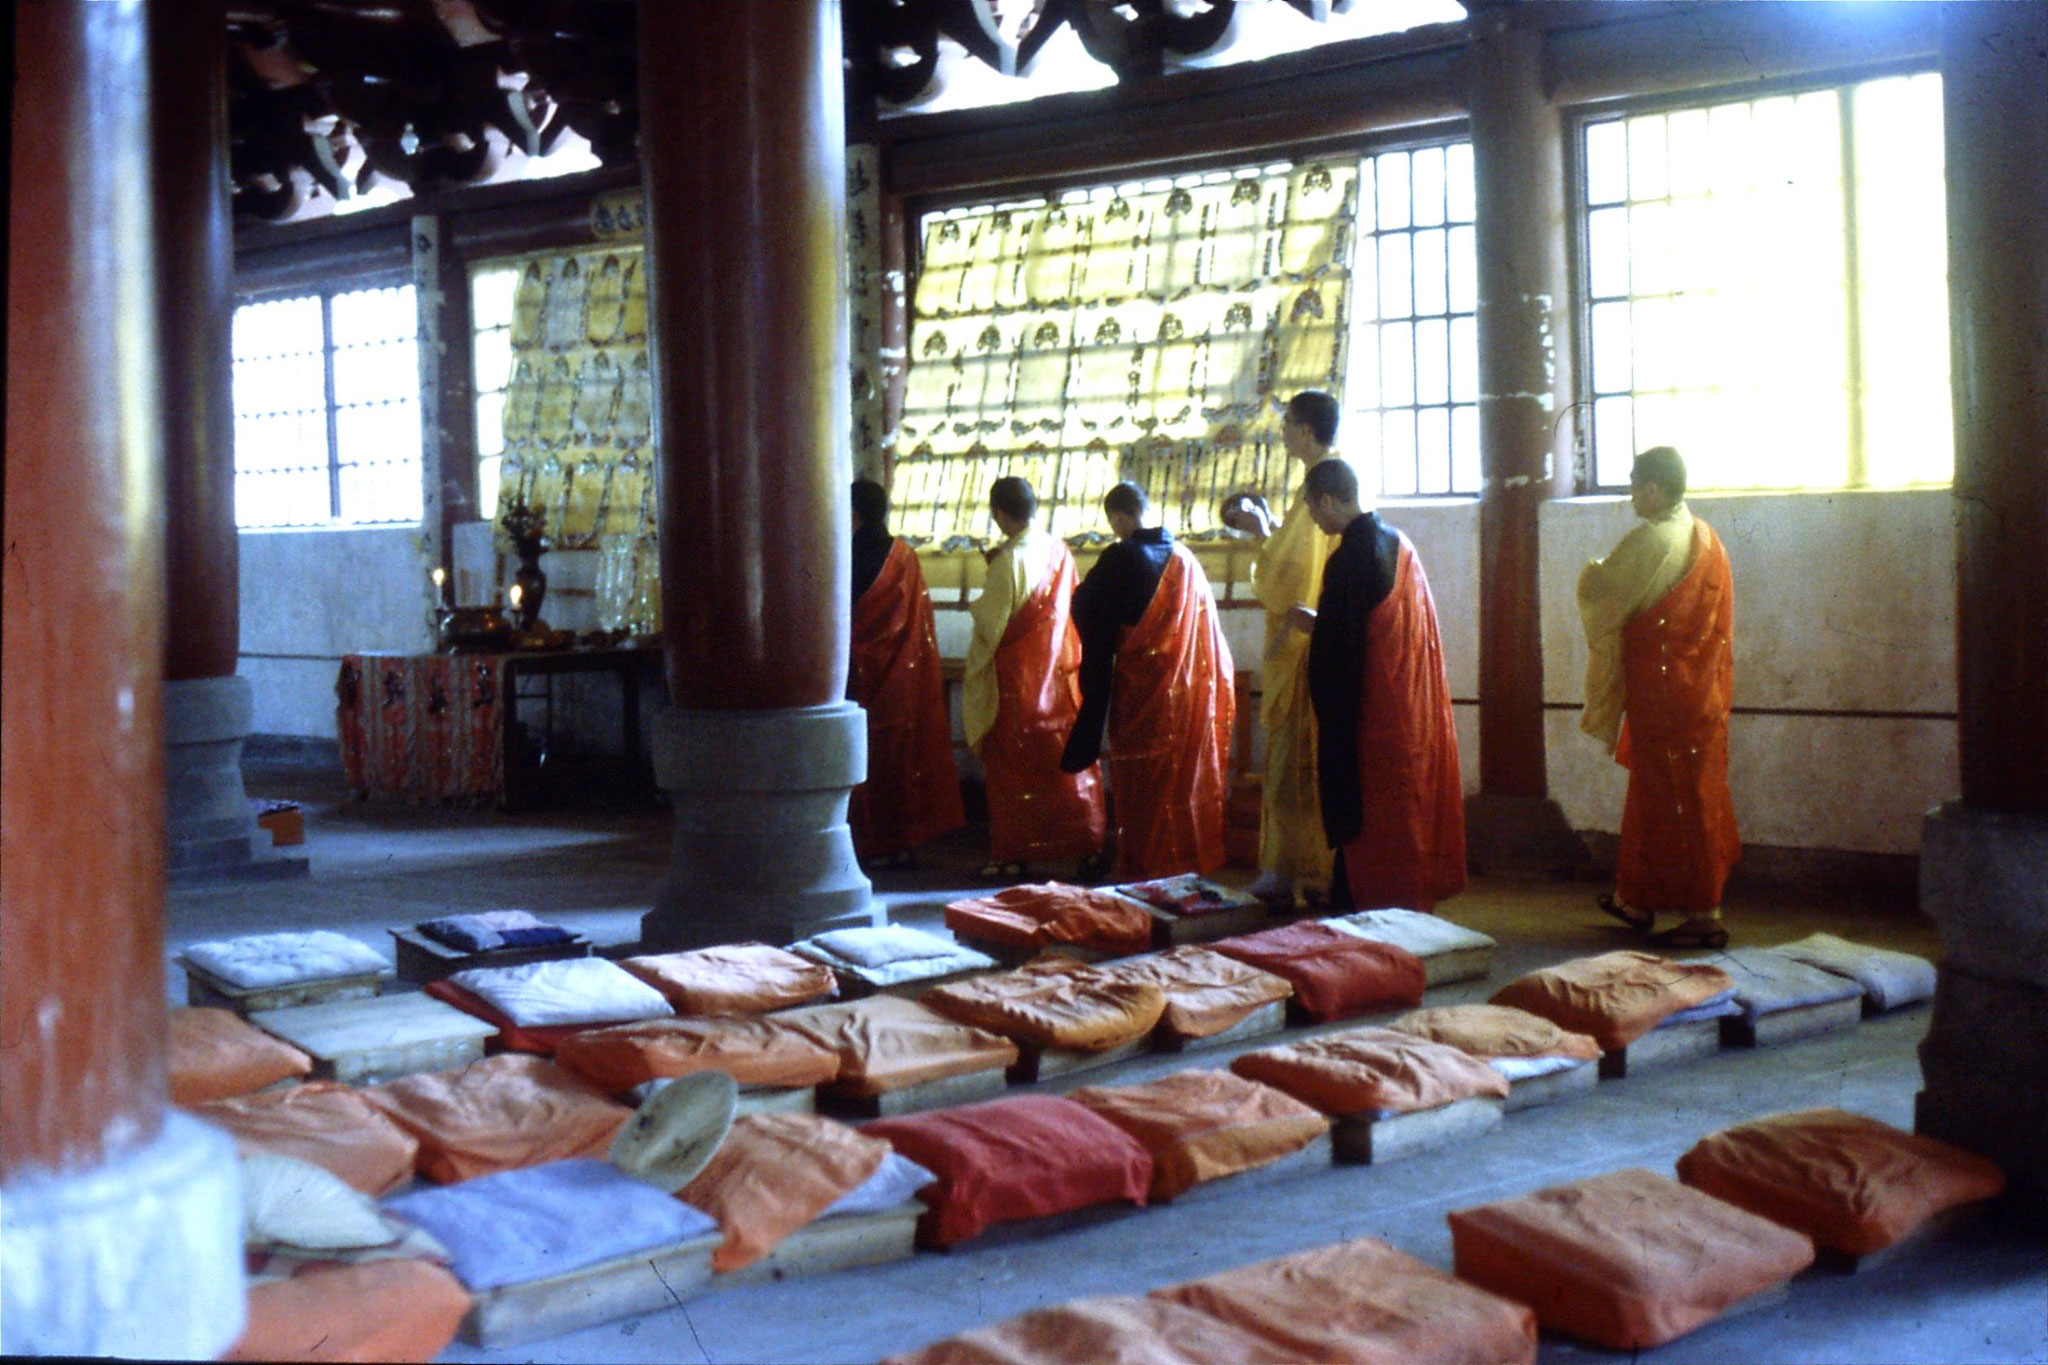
[(1639, 920), (1711, 935), (1001, 872)]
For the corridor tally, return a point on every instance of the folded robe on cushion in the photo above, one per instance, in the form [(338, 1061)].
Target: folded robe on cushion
[(884, 1043), (1850, 1183), (492, 930), (1023, 1156), (1105, 1331), (890, 954), (1614, 997), (1494, 1031), (733, 978), (1039, 915), (258, 961), (1889, 979), (1206, 992), (1768, 981), (214, 1054), (1334, 975), (332, 1126), (1372, 1071), (1421, 934), (503, 1112), (1626, 1260), (395, 1310), (1202, 1125), (1053, 1008), (758, 1051), (542, 1221), (775, 1173), (1368, 1303)]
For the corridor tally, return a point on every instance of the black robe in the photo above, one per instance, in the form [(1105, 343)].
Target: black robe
[(871, 546), (1113, 598), (1357, 579)]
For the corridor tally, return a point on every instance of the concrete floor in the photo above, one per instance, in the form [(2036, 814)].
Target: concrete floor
[(1980, 1294)]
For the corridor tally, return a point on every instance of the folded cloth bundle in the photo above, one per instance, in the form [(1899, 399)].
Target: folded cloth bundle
[(1615, 998), (889, 954), (493, 929), (775, 1173), (1187, 895), (1889, 979), (584, 990), (1767, 982), (1372, 1071), (260, 961)]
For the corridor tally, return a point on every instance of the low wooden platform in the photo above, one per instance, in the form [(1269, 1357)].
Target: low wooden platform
[(367, 1041), (1266, 1020), (204, 988), (1317, 1156), (1173, 930), (1048, 1063), (644, 1282), (1557, 1087), (1671, 1045), (1362, 1140), (1463, 964), (962, 1089), (777, 1099), (832, 1244), (421, 959), (1786, 1026)]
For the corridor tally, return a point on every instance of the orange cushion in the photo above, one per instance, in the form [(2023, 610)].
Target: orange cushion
[(1335, 975), (397, 1310), (1104, 1331), (1627, 1260), (1497, 1031), (1206, 992), (1201, 1125), (1849, 1182), (1039, 915), (773, 1174), (502, 1112), (1365, 1302), (326, 1124), (1372, 1070), (755, 1051), (215, 1053), (1019, 1157), (1052, 1008), (887, 1043), (1615, 997), (735, 978)]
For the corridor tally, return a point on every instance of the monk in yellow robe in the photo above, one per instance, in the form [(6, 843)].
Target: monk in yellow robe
[(1287, 578), (1660, 678), (1022, 692)]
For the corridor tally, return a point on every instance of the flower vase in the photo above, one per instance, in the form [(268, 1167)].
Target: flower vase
[(533, 589)]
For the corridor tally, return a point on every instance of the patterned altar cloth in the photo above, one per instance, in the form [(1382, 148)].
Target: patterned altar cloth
[(423, 726)]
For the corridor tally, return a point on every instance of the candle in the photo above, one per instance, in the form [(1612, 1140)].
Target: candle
[(514, 594), (440, 577)]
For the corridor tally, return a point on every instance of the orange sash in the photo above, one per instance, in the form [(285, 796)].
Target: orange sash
[(912, 792), (1410, 852), (1678, 836), (1036, 812), (1170, 715)]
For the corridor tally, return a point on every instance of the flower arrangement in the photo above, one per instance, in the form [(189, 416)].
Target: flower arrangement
[(526, 527)]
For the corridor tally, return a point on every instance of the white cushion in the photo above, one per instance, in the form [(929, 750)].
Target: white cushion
[(1889, 979), (895, 1182), (582, 990), (1527, 1068), (892, 953), (262, 960), (1767, 981), (1422, 935)]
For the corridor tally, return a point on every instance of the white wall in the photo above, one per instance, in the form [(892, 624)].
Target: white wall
[(309, 597)]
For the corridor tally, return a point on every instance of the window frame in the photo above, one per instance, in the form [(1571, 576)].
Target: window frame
[(1578, 249), (369, 280)]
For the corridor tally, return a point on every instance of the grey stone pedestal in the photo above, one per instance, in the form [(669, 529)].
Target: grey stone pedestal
[(209, 830), (1984, 880), (762, 849)]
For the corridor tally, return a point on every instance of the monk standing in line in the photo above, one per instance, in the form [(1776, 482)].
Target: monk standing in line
[(1659, 614), (912, 792), (1156, 669), (1022, 695), (1287, 578), (1387, 761)]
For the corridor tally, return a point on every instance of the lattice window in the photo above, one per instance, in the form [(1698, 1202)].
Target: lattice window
[(326, 394), (1783, 324), (491, 290)]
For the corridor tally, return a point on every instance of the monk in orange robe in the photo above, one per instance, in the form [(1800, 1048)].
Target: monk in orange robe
[(912, 791), (1659, 614), (1155, 667), (1021, 695), (1387, 749)]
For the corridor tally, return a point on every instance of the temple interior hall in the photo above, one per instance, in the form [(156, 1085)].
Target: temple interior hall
[(440, 916)]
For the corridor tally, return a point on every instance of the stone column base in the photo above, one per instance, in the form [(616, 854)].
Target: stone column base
[(208, 828), (141, 1257), (1984, 880), (762, 849), (1522, 835)]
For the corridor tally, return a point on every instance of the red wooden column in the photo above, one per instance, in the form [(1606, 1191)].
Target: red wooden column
[(122, 1233), (1524, 436), (743, 144), (1984, 859)]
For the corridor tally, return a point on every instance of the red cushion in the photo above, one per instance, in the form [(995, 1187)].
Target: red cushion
[(1020, 1157), (1335, 975)]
